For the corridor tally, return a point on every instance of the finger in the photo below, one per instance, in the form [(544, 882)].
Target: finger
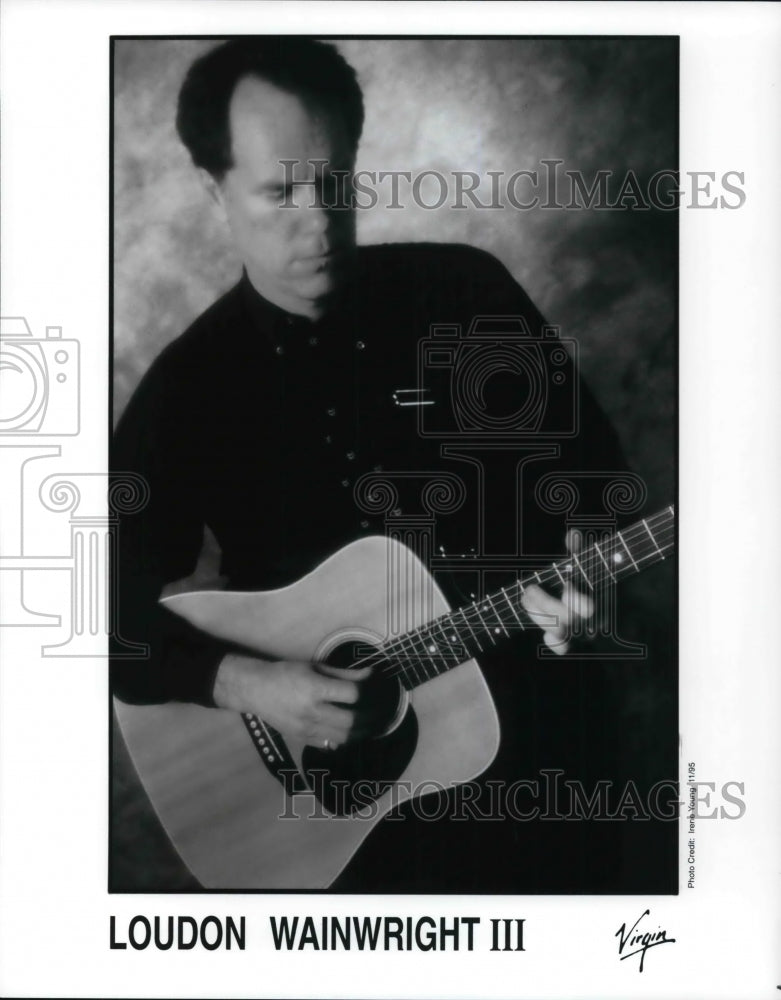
[(344, 673), (341, 685), (336, 718), (552, 616), (580, 605), (572, 604), (326, 738), (558, 644), (333, 724), (333, 691), (348, 673), (546, 611)]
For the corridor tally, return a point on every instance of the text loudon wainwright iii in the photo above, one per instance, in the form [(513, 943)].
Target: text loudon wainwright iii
[(322, 933)]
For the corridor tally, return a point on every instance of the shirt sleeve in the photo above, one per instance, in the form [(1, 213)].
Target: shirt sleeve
[(156, 656)]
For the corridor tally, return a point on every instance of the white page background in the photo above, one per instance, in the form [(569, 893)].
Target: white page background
[(54, 916)]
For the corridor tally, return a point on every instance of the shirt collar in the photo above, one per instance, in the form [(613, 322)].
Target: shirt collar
[(276, 323)]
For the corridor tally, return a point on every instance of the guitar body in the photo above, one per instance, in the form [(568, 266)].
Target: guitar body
[(234, 823)]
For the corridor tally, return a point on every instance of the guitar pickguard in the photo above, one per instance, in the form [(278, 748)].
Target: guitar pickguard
[(352, 776), (226, 812)]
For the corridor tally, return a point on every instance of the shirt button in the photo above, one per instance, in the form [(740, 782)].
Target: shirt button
[(359, 344), (364, 524), (345, 482), (331, 411), (378, 468), (328, 439), (279, 350), (350, 456), (313, 341)]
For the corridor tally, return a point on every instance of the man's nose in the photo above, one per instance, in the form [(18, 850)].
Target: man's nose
[(317, 217), (322, 219)]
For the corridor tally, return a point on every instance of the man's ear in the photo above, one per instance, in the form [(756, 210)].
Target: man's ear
[(212, 187)]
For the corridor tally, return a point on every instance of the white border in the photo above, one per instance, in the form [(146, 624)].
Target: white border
[(54, 917)]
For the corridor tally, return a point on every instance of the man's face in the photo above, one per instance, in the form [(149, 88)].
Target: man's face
[(295, 256)]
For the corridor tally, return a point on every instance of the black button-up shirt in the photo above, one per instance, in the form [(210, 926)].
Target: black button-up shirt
[(268, 428), (271, 430)]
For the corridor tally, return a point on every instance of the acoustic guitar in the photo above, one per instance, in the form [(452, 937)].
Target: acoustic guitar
[(248, 807)]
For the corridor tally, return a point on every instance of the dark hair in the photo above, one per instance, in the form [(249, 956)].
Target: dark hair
[(301, 66)]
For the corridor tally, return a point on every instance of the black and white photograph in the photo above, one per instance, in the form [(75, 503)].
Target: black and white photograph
[(388, 528), (420, 430)]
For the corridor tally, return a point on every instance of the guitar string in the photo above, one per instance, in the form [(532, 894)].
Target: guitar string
[(589, 562), (652, 543), (406, 658), (593, 566), (408, 655), (450, 654), (411, 642)]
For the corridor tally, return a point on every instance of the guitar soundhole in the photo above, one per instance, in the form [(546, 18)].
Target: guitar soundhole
[(352, 776)]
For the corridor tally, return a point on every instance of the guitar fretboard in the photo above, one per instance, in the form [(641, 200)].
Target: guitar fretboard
[(459, 635)]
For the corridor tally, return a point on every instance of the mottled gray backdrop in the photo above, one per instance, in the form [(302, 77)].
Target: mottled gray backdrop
[(608, 278)]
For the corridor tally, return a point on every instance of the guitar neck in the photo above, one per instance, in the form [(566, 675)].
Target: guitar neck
[(453, 638)]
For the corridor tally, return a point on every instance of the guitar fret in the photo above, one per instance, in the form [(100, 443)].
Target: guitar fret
[(428, 651), (599, 552), (512, 609), (623, 566), (444, 637), (466, 620), (558, 574), (406, 666), (650, 535), (454, 652), (653, 556), (443, 643), (498, 617), (628, 552), (582, 571), (485, 627), (416, 669), (415, 661)]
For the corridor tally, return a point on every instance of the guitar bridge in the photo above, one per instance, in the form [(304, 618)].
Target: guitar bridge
[(271, 749)]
